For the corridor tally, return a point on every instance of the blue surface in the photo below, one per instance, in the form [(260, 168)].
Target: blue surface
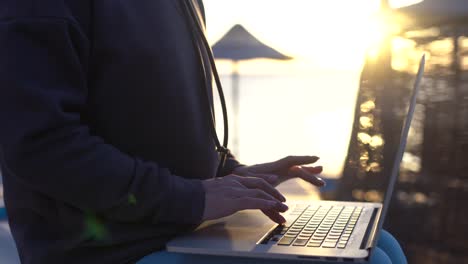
[(8, 252), (2, 204), (331, 185), (2, 213)]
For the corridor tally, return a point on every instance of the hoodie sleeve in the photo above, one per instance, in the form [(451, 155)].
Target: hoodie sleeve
[(46, 145)]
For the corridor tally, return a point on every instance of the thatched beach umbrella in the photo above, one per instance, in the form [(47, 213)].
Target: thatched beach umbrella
[(237, 45)]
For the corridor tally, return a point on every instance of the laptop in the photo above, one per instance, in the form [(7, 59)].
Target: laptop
[(332, 231)]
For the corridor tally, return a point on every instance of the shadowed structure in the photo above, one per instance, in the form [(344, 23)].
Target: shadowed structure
[(428, 211), (435, 13)]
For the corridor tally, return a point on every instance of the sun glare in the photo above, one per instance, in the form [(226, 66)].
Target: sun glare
[(332, 34)]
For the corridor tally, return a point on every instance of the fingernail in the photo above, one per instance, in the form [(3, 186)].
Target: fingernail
[(316, 158), (317, 169), (322, 181), (282, 219), (283, 199), (282, 207)]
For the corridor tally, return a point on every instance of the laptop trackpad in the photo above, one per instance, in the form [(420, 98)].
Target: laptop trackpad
[(240, 231)]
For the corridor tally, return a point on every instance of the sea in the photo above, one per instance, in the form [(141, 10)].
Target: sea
[(281, 115)]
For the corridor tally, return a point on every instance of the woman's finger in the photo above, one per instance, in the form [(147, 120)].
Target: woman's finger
[(274, 216), (290, 161), (313, 170), (257, 193), (306, 175), (246, 203), (270, 178), (260, 184), (260, 195)]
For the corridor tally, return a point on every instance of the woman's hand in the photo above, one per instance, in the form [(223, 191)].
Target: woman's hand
[(284, 169), (227, 195)]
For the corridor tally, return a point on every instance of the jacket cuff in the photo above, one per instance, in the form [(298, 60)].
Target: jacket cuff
[(230, 165), (185, 203)]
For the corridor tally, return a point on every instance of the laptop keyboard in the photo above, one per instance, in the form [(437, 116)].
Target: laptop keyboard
[(318, 226)]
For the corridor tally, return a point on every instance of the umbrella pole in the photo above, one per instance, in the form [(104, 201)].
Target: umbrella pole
[(235, 107)]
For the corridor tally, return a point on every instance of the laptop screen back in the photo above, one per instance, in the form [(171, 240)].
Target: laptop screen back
[(402, 145)]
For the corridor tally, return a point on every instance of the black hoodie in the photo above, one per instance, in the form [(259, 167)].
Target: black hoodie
[(104, 138)]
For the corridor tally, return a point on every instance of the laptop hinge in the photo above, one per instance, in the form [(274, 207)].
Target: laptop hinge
[(370, 238)]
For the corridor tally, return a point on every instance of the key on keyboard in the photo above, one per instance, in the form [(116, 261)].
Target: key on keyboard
[(318, 226)]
